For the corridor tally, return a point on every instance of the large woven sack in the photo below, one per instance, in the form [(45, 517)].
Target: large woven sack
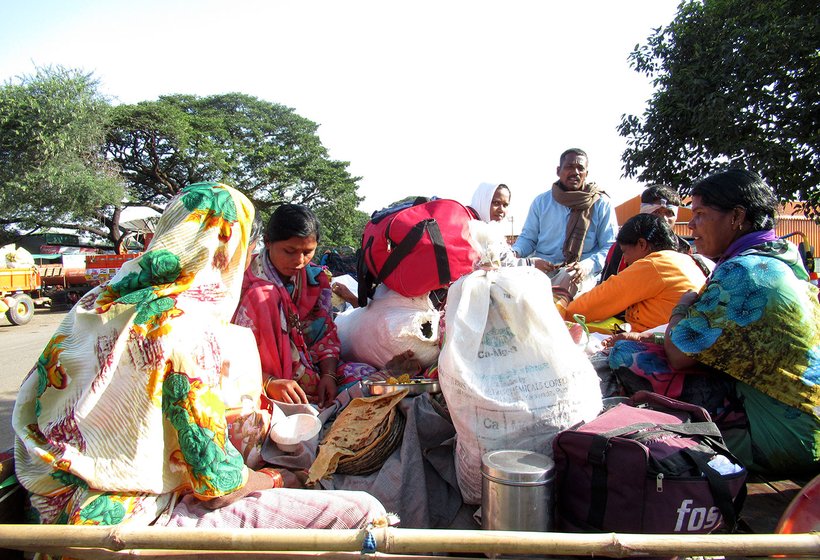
[(511, 374), (389, 326)]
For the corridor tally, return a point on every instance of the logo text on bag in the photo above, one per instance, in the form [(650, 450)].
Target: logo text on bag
[(497, 338), (498, 343), (699, 517)]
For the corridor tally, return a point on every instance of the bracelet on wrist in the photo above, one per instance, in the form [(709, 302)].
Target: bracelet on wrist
[(658, 338), (276, 477), (332, 376), (265, 386)]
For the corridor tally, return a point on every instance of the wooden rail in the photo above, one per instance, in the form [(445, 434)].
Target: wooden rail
[(163, 542)]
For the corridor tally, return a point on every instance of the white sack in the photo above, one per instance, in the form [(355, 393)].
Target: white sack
[(509, 370), (12, 256), (7, 254), (390, 325), (21, 259)]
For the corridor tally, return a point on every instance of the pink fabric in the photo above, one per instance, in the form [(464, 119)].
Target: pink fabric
[(665, 380), (283, 508), (280, 320), (352, 372)]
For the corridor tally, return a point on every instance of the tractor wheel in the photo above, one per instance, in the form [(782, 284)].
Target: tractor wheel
[(22, 311)]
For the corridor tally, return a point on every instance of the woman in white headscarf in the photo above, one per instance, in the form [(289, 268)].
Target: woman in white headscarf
[(490, 201)]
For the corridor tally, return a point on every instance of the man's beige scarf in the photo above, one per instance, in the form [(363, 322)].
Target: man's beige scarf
[(580, 203)]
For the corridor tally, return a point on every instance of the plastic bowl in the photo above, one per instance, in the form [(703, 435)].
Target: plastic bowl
[(295, 429)]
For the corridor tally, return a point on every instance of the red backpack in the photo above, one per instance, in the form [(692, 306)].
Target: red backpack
[(416, 247)]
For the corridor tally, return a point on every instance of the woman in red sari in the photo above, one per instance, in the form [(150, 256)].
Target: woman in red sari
[(286, 302)]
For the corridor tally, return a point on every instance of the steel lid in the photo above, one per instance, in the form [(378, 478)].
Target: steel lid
[(511, 466)]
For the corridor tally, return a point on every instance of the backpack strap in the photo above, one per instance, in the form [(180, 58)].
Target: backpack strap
[(729, 509), (379, 215), (410, 241), (366, 280), (597, 459), (598, 493), (710, 433), (712, 438), (708, 429)]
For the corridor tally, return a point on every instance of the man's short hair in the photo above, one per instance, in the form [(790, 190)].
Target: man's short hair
[(656, 193), (576, 151)]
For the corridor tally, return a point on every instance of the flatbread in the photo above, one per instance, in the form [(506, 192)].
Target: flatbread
[(356, 428)]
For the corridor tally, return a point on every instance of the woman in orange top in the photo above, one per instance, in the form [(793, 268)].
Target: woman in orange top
[(655, 278)]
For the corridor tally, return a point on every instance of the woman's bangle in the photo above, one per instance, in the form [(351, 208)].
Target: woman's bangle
[(265, 386), (332, 376), (276, 477), (658, 338), (679, 309)]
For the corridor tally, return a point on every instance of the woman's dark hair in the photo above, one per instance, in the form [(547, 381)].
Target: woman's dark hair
[(656, 193), (735, 188), (292, 220), (653, 228)]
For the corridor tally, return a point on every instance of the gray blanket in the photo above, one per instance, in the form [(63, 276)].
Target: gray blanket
[(417, 482)]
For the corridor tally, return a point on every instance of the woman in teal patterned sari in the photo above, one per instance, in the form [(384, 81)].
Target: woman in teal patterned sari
[(757, 320)]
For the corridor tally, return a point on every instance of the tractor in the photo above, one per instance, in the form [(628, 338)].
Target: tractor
[(19, 290)]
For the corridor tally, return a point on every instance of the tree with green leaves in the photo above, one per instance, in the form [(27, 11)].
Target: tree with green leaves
[(263, 149), (52, 172), (737, 83), (340, 226)]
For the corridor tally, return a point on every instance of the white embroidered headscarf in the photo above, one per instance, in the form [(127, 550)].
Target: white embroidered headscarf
[(125, 397), (482, 200)]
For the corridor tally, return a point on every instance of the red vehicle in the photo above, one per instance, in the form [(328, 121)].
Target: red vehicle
[(66, 283)]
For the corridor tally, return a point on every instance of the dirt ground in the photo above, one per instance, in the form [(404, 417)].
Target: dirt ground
[(20, 346)]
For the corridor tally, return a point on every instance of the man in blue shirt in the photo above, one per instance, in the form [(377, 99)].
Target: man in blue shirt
[(571, 225)]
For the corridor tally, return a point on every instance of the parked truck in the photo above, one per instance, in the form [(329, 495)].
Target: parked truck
[(53, 285), (20, 288), (67, 282)]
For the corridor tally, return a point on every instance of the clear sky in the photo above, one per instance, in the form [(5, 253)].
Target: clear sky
[(422, 98)]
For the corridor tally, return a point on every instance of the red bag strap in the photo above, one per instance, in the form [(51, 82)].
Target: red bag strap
[(406, 245)]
